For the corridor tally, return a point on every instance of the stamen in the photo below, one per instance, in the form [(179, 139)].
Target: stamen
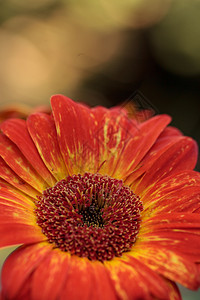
[(90, 215)]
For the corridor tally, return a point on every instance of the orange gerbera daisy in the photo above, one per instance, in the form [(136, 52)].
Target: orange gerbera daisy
[(105, 207)]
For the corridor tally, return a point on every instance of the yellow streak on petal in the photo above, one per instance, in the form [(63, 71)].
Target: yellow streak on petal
[(114, 266)]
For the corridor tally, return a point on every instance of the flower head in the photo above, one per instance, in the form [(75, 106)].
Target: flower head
[(104, 206)]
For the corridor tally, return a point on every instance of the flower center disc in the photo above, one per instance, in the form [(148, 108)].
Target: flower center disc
[(90, 215)]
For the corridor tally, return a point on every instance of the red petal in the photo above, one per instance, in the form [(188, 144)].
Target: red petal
[(18, 163), (50, 276), (170, 131), (156, 284), (171, 264), (75, 126), (186, 199), (20, 265), (127, 281), (43, 132), (136, 147), (12, 196), (114, 131), (166, 139), (180, 156), (102, 289), (16, 131), (15, 234), (15, 214), (79, 272), (174, 293), (171, 186), (160, 146), (173, 220), (8, 175)]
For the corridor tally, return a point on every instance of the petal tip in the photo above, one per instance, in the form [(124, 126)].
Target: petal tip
[(59, 97)]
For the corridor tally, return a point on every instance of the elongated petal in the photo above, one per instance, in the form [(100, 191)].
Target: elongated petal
[(136, 148), (50, 276), (174, 293), (17, 222), (161, 145), (113, 132), (8, 175), (17, 233), (187, 199), (24, 294), (169, 263), (182, 156), (170, 131), (80, 271), (157, 285), (18, 163), (20, 265), (11, 214), (127, 281), (122, 140), (170, 187), (13, 196), (43, 132), (16, 131), (75, 126), (102, 289)]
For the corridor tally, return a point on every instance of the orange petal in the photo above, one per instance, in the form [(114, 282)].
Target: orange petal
[(171, 264), (174, 232), (180, 156), (80, 271), (18, 163), (16, 233), (174, 293), (156, 284), (102, 289), (16, 214), (43, 132), (127, 281), (50, 276), (16, 130), (20, 265)]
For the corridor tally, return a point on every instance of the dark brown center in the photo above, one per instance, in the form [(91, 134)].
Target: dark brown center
[(90, 215)]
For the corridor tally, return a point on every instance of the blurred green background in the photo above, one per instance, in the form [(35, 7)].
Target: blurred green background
[(101, 52)]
